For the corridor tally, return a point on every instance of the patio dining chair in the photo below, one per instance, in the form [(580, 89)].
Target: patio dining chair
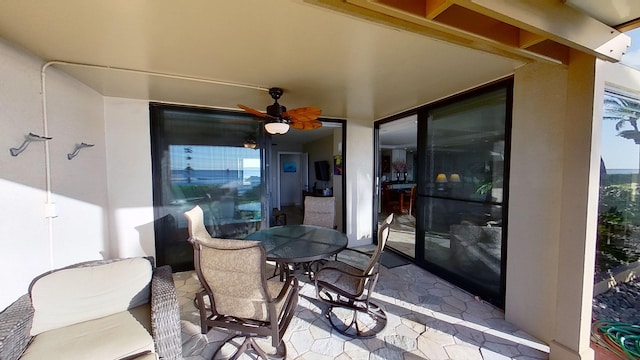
[(319, 211), (347, 289), (236, 295)]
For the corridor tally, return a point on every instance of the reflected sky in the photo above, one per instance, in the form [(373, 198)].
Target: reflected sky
[(632, 57), (205, 157)]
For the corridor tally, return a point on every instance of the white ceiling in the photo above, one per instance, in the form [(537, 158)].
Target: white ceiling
[(350, 68), (400, 133)]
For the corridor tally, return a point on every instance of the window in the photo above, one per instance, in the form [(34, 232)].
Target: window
[(200, 158), (619, 205)]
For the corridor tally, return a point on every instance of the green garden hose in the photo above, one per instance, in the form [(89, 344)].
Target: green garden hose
[(622, 339)]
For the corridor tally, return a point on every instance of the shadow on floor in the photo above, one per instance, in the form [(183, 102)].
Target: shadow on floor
[(428, 318)]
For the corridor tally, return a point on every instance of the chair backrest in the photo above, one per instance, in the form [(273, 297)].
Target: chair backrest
[(383, 236), (410, 194), (410, 197), (195, 222), (231, 271), (88, 291), (319, 211), (233, 274)]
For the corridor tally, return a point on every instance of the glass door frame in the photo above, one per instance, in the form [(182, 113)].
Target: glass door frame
[(377, 166), (420, 173), (160, 144)]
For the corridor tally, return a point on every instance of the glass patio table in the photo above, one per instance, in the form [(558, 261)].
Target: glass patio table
[(291, 244)]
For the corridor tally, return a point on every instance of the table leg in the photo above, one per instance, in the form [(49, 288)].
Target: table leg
[(284, 271)]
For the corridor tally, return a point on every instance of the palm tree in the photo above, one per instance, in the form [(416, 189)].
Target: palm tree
[(624, 111)]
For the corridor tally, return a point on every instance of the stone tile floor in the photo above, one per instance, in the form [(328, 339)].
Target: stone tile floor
[(428, 318)]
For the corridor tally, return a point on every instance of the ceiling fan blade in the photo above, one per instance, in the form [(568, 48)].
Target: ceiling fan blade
[(252, 111), (303, 114), (305, 125)]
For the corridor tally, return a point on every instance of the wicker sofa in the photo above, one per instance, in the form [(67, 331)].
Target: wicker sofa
[(106, 309)]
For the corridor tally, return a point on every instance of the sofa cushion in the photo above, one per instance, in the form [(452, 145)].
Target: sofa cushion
[(73, 295), (112, 337)]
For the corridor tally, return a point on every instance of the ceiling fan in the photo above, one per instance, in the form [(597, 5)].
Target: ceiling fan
[(279, 119)]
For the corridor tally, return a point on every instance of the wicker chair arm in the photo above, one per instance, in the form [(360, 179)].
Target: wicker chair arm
[(165, 314), (15, 327)]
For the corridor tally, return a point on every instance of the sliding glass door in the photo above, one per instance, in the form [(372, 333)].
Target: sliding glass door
[(396, 152), (463, 154), (454, 221), (211, 159)]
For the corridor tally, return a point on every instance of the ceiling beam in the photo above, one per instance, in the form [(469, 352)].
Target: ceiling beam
[(436, 7), (558, 22), (629, 25), (539, 30), (387, 13)]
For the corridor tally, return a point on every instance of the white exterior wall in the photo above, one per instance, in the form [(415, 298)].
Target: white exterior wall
[(358, 167), (553, 205), (31, 244), (130, 186), (539, 108), (579, 216)]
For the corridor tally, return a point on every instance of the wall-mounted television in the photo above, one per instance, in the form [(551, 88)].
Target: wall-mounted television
[(322, 170)]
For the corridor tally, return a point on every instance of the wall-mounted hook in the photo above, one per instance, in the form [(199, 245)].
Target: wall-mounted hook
[(76, 150), (28, 139)]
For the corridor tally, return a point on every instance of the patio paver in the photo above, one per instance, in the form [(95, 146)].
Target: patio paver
[(428, 319)]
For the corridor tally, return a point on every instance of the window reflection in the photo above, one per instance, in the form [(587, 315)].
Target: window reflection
[(200, 158), (464, 191), (618, 209), (224, 181)]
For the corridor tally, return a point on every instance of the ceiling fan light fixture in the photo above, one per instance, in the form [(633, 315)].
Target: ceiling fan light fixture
[(277, 127), (279, 120), (250, 143)]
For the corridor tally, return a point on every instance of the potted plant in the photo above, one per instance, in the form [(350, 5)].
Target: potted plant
[(400, 167)]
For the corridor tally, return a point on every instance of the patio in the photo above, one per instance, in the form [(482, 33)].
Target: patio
[(428, 319)]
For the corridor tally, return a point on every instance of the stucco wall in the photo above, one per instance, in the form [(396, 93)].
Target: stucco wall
[(553, 204), (30, 243), (539, 108), (129, 177), (359, 178)]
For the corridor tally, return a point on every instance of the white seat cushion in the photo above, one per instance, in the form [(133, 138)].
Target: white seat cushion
[(74, 295), (113, 337)]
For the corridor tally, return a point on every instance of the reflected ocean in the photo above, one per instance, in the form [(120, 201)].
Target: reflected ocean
[(240, 178)]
